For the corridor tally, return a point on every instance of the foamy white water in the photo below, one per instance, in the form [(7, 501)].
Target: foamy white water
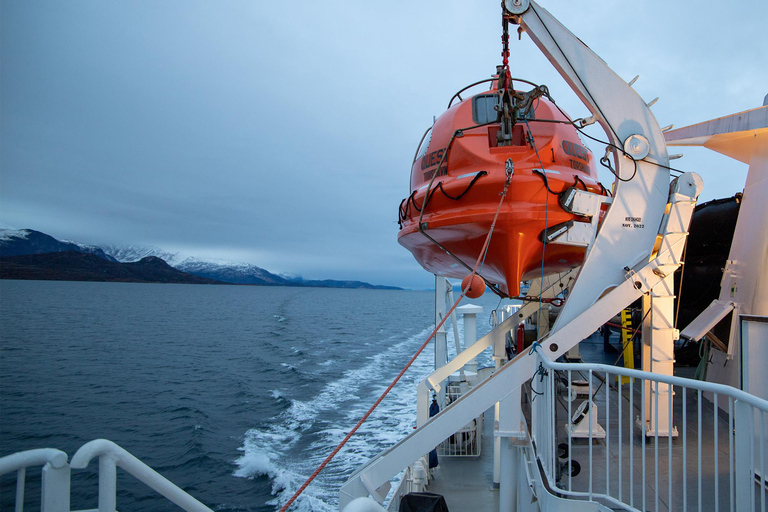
[(274, 451)]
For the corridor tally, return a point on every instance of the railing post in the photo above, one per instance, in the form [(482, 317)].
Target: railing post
[(744, 471), (470, 312), (107, 484), (499, 358), (441, 337), (508, 434), (56, 487), (21, 480)]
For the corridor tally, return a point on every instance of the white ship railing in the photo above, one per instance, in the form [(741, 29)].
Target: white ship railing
[(715, 461), (466, 441), (56, 476), (55, 489)]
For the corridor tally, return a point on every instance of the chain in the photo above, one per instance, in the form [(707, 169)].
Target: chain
[(507, 94), (505, 45)]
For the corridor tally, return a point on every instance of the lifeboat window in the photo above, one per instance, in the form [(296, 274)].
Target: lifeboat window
[(484, 108), (424, 145)]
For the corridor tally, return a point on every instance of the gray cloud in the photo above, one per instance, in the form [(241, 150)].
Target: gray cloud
[(283, 132)]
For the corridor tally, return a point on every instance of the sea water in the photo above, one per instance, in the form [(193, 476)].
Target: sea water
[(234, 393)]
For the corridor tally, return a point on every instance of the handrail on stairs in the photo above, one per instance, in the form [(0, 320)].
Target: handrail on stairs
[(386, 465), (432, 382)]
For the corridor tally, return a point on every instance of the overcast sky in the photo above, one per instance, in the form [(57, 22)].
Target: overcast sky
[(282, 133)]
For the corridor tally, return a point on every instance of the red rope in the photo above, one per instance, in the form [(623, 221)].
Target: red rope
[(622, 327), (408, 365)]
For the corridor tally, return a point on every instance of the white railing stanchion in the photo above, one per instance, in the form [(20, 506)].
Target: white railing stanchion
[(607, 385), (743, 467), (731, 454), (56, 487), (698, 412), (717, 479), (591, 436), (762, 460), (669, 445), (643, 435), (621, 440), (107, 484), (655, 390), (685, 451), (631, 443), (568, 422), (21, 478)]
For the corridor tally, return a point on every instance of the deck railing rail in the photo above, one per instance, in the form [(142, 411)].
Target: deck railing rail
[(56, 471), (468, 440), (56, 476), (713, 459)]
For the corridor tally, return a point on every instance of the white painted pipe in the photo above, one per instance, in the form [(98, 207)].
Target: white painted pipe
[(117, 456)]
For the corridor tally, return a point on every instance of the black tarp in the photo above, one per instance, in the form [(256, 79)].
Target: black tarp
[(423, 502)]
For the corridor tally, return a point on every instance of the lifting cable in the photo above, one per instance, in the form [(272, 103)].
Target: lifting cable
[(475, 271), (546, 221)]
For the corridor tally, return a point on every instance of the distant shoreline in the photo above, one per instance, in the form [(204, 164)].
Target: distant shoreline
[(77, 266)]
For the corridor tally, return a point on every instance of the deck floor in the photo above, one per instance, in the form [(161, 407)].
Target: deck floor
[(466, 483)]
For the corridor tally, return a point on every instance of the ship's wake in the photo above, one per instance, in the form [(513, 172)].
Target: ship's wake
[(288, 447)]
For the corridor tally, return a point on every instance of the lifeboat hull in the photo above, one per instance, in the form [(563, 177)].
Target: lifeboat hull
[(469, 176)]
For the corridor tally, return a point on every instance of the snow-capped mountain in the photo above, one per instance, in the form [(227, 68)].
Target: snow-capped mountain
[(131, 253), (20, 242), (220, 270), (17, 242), (229, 272)]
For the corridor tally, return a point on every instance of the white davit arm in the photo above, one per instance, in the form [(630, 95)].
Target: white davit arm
[(628, 232)]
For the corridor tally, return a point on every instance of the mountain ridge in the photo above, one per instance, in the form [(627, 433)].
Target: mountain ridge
[(80, 266), (23, 242)]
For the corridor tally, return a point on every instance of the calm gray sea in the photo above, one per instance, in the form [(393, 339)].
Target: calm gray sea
[(234, 393)]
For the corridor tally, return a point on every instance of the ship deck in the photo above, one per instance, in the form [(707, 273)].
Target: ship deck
[(467, 483)]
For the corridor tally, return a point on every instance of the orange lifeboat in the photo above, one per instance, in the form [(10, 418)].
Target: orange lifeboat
[(461, 162)]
